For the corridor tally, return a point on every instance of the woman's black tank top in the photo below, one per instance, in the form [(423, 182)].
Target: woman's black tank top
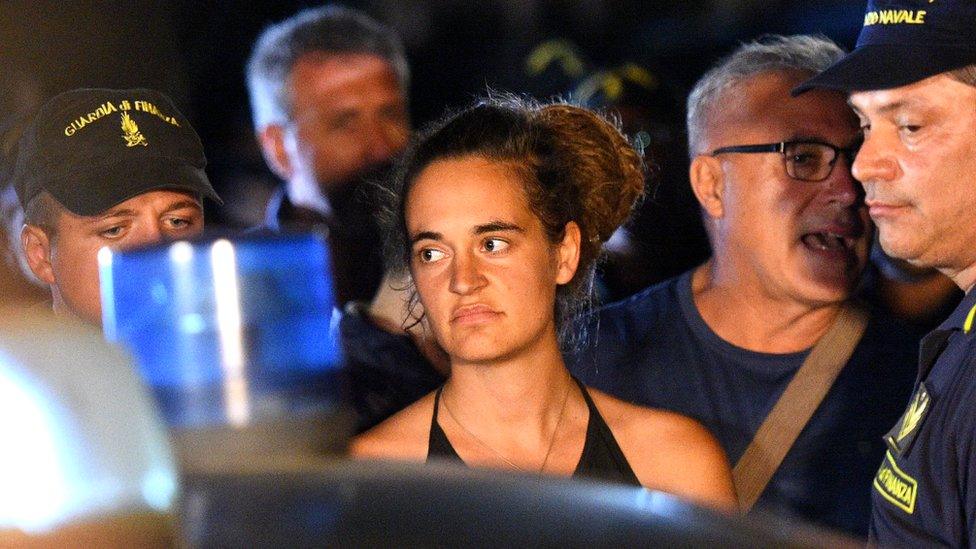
[(601, 458)]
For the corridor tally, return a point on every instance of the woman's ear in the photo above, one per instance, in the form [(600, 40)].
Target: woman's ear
[(568, 253), (705, 174)]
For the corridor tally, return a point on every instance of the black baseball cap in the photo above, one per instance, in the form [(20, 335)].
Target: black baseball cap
[(901, 42), (94, 148)]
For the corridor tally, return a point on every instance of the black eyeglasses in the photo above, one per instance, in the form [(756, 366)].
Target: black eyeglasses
[(805, 160)]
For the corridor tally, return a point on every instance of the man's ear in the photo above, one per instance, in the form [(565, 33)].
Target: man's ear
[(706, 178), (568, 253), (272, 141), (37, 249)]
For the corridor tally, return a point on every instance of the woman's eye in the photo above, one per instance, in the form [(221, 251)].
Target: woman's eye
[(430, 255), (495, 245)]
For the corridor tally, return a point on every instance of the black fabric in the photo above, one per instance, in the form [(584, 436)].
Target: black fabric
[(386, 371), (354, 241), (438, 447), (924, 492), (655, 350), (601, 459), (94, 148)]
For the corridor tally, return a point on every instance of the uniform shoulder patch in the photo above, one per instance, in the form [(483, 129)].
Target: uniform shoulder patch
[(895, 485), (900, 438)]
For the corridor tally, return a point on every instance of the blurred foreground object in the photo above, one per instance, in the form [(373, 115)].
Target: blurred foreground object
[(85, 460), (234, 338), (376, 504)]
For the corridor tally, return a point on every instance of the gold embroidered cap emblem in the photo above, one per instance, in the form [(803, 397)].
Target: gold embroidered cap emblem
[(130, 132)]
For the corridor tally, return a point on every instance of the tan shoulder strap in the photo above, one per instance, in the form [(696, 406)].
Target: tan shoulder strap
[(794, 408)]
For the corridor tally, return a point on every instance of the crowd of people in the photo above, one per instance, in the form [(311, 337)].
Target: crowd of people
[(774, 375)]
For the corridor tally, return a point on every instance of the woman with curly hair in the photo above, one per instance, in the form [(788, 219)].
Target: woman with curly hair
[(501, 212)]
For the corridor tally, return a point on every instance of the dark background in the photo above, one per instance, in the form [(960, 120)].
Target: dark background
[(195, 51)]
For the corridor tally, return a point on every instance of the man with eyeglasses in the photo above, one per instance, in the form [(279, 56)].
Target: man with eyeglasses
[(913, 86), (790, 237)]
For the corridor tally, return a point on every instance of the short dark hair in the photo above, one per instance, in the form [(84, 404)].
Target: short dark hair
[(966, 75), (327, 29), (43, 211), (574, 165)]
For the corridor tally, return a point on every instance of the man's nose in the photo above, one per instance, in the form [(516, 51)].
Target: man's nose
[(874, 161), (841, 186), (149, 233)]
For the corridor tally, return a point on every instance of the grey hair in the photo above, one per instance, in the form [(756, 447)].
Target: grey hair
[(771, 53), (327, 29)]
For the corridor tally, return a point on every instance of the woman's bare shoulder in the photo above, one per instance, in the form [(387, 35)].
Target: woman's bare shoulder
[(631, 419), (402, 436), (670, 452)]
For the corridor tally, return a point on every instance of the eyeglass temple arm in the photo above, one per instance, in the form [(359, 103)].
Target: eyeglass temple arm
[(767, 147)]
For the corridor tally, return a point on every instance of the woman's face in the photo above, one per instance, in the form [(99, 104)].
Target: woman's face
[(484, 269)]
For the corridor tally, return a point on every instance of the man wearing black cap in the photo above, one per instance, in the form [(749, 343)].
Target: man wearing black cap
[(99, 167), (912, 80)]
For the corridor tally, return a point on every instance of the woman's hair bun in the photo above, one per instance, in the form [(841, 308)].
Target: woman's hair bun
[(607, 171)]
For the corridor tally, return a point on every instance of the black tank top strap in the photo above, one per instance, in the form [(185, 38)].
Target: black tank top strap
[(602, 458), (438, 447)]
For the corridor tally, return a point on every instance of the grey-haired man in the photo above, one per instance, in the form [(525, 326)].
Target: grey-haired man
[(789, 235), (328, 91)]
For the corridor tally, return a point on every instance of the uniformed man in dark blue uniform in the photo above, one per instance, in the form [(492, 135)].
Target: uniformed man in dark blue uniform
[(912, 80)]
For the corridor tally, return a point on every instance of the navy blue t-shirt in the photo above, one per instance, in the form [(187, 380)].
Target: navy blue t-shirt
[(925, 490), (655, 349)]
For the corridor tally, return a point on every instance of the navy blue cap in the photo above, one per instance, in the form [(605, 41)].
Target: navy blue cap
[(902, 42)]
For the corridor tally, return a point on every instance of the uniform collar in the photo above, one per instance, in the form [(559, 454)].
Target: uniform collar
[(964, 316)]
